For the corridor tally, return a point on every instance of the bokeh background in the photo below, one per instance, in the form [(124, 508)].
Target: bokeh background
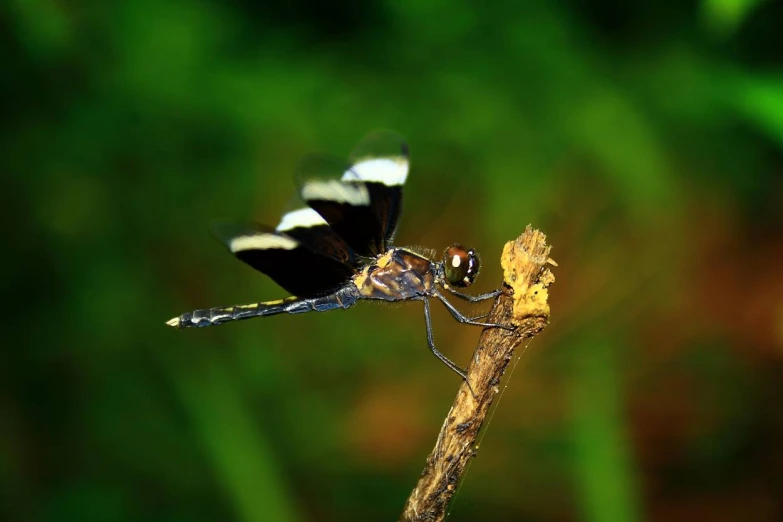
[(643, 138)]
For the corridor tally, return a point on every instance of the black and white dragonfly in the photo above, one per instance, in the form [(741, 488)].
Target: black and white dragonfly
[(336, 249)]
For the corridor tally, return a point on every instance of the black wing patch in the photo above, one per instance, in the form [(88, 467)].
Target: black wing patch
[(298, 269), (344, 204), (362, 201), (382, 161), (308, 227)]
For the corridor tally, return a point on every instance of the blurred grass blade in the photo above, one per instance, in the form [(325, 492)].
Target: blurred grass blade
[(760, 100), (603, 465), (241, 457), (725, 16)]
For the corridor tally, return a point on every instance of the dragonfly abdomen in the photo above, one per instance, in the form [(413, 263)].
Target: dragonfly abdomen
[(344, 298)]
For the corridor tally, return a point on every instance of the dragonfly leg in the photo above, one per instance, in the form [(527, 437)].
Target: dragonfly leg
[(445, 360), (462, 318), (474, 298)]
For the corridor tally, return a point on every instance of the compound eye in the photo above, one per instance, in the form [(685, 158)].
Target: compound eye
[(461, 265)]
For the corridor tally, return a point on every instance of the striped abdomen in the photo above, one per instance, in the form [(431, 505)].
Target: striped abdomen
[(291, 305)]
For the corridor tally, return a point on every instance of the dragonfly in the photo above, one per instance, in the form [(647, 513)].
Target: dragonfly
[(334, 247)]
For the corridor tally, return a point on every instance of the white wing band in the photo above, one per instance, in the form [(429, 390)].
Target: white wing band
[(303, 217), (337, 191), (389, 171), (262, 242)]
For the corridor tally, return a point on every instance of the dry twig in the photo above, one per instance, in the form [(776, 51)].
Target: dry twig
[(526, 277)]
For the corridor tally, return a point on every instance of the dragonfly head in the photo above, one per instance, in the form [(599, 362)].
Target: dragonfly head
[(460, 265)]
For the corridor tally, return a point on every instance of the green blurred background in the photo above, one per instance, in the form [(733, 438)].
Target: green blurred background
[(643, 138)]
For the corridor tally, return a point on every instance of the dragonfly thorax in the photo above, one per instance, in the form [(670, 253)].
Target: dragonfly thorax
[(397, 275)]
